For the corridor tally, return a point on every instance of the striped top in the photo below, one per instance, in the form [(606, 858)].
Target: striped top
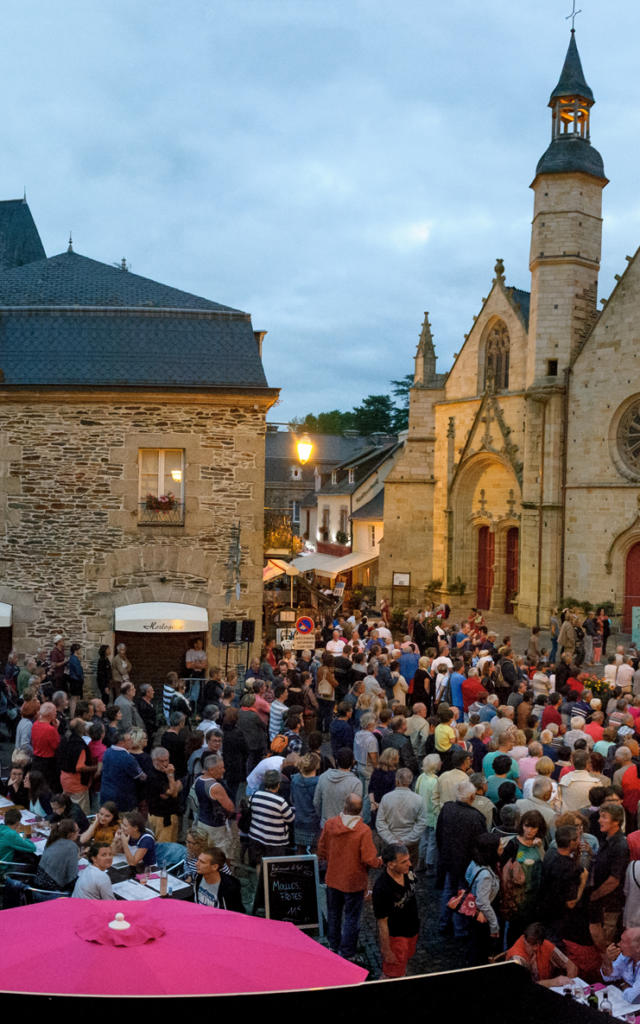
[(270, 818)]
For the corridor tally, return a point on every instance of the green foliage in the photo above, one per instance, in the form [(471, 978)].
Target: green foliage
[(376, 414), (432, 586), (458, 587), (342, 537)]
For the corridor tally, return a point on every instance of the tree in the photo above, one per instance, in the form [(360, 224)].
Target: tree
[(374, 415), (401, 390)]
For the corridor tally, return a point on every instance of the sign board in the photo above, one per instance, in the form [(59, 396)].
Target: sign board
[(285, 637), (338, 590), (291, 890), (402, 579), (304, 642), (635, 624), (287, 615), (305, 624)]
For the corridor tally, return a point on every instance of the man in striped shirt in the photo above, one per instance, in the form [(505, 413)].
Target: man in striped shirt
[(271, 816)]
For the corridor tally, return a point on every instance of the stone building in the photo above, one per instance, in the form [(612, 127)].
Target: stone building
[(521, 474), (132, 424)]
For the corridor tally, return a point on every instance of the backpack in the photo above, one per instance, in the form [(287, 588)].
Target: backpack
[(512, 888)]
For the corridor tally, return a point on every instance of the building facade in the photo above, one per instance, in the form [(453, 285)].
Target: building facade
[(132, 424), (520, 480)]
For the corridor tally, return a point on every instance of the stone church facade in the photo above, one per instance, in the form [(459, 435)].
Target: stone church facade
[(521, 473), (132, 425)]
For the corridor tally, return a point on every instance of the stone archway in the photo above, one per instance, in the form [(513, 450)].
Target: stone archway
[(485, 502)]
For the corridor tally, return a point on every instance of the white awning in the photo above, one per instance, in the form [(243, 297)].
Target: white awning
[(6, 611), (161, 617), (331, 565), (278, 567)]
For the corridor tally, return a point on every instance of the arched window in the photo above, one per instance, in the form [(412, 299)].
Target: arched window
[(496, 363)]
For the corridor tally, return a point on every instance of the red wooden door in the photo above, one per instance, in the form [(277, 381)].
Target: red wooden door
[(513, 537), (631, 584), (486, 541)]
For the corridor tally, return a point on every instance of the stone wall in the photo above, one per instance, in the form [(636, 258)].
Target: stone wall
[(71, 546)]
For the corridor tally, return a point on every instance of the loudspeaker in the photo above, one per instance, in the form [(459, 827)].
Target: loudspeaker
[(228, 631), (248, 631)]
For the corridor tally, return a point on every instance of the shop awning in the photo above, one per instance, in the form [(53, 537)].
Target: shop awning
[(278, 567), (161, 617), (332, 565), (6, 612)]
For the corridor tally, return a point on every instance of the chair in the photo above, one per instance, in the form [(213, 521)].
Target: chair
[(42, 895), (14, 890), (13, 866), (169, 855)]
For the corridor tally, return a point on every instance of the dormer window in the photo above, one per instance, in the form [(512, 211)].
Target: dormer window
[(352, 476), (296, 473), (334, 476)]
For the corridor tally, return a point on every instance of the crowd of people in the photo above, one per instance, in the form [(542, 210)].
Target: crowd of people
[(437, 761)]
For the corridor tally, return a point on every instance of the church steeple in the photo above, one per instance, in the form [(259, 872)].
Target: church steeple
[(425, 368), (571, 102)]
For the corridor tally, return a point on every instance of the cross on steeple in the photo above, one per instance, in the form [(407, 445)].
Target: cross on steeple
[(573, 16)]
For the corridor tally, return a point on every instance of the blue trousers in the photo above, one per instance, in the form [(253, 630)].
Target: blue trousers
[(343, 927), (452, 885)]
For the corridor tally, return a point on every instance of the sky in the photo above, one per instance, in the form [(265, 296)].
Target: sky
[(333, 167)]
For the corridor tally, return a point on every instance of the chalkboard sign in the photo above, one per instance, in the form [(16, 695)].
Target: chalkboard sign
[(291, 890)]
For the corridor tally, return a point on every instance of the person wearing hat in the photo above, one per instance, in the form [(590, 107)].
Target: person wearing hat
[(271, 816)]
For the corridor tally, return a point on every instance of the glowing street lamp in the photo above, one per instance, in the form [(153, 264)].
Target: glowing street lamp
[(304, 448), (176, 475)]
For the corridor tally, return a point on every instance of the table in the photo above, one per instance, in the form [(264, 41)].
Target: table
[(133, 890)]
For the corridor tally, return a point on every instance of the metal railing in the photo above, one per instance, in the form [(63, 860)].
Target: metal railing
[(173, 516)]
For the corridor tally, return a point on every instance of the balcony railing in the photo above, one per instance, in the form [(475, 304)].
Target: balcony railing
[(173, 516)]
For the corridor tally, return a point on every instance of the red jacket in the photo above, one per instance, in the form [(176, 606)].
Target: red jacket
[(349, 852), (472, 690)]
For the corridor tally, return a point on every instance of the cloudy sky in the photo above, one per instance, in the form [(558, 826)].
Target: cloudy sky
[(334, 167)]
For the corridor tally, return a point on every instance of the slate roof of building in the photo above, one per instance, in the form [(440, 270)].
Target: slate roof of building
[(572, 81), (363, 464), (70, 279), (570, 153), (373, 510), (19, 239), (73, 321), (328, 450), (523, 300)]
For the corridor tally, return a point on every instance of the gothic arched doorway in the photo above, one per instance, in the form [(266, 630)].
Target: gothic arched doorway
[(631, 584)]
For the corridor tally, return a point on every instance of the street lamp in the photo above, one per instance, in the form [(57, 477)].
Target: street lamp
[(304, 447)]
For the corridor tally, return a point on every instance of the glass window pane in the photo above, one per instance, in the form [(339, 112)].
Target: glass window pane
[(173, 472)]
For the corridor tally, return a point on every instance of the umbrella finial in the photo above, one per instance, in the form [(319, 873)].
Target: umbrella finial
[(119, 923)]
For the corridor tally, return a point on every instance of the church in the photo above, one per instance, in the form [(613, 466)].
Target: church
[(519, 484)]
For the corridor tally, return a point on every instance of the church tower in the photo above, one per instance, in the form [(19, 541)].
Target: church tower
[(564, 262)]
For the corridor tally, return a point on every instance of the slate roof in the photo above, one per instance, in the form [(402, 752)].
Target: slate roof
[(572, 81), (74, 280), (373, 511), (73, 321), (143, 349), (19, 239), (363, 464), (522, 299), (570, 153)]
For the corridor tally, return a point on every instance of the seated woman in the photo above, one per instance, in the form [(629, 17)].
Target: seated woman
[(58, 868), (104, 826), (215, 887), (39, 802), (196, 840), (62, 806), (94, 882), (136, 841), (14, 789)]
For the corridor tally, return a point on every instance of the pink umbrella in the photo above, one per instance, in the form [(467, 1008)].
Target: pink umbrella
[(66, 947)]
